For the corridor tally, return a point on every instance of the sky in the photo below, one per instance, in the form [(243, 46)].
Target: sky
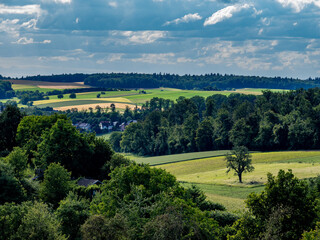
[(261, 37)]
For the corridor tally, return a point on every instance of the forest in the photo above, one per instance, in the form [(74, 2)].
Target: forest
[(272, 121), (213, 81), (44, 157)]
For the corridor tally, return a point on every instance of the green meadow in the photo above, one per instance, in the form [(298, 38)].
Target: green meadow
[(208, 171), (133, 97)]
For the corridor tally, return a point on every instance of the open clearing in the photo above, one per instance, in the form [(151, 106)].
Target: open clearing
[(209, 173)]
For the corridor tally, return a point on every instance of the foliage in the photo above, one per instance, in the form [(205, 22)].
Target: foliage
[(29, 221), (312, 234), (18, 159), (56, 184), (11, 189), (285, 208), (240, 162), (72, 212), (6, 90), (115, 139), (9, 121), (99, 228), (39, 223), (72, 95), (82, 154)]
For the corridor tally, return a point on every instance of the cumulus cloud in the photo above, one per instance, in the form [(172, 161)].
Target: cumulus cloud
[(58, 1), (185, 19), (225, 13), (141, 37), (25, 41), (27, 9), (113, 4), (298, 5), (160, 58)]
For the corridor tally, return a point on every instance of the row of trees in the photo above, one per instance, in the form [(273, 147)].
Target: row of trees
[(206, 81), (272, 121)]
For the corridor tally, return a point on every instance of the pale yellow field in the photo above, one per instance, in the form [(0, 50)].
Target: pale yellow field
[(102, 105), (53, 85), (62, 86), (103, 101)]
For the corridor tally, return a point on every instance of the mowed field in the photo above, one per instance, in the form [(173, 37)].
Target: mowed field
[(209, 172)]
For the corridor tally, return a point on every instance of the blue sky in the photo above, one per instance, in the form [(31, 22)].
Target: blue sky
[(264, 37)]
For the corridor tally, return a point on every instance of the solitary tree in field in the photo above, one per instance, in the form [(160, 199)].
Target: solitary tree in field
[(240, 161)]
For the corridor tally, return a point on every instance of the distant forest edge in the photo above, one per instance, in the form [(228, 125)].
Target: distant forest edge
[(214, 81)]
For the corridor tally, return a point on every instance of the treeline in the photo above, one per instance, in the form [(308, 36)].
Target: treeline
[(6, 90), (134, 201), (76, 77), (272, 121), (206, 82)]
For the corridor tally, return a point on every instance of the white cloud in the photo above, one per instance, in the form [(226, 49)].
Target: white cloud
[(113, 4), (27, 9), (185, 19), (10, 26), (141, 37), (298, 5), (161, 58), (59, 58), (225, 13), (25, 41), (260, 31)]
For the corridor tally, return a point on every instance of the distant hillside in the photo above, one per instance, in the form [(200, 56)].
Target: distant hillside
[(205, 82)]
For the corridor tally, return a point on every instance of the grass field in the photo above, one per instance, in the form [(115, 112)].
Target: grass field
[(209, 172), (119, 98), (166, 159)]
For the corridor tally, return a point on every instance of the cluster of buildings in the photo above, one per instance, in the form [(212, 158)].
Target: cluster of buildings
[(105, 126)]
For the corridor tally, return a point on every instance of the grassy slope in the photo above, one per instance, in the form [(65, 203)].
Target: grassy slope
[(210, 174), (180, 157)]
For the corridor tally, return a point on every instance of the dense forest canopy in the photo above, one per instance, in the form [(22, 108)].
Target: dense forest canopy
[(206, 81), (6, 90), (272, 121)]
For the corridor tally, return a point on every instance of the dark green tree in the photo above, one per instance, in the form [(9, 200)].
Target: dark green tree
[(11, 189), (72, 95), (56, 184), (9, 121), (285, 208), (204, 135), (239, 161), (18, 159), (73, 211)]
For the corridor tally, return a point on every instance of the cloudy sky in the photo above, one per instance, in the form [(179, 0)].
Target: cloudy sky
[(261, 37)]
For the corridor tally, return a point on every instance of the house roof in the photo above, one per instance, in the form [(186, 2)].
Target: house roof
[(87, 182)]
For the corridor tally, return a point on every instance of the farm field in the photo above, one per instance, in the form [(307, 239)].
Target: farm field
[(121, 99), (166, 159), (209, 173)]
